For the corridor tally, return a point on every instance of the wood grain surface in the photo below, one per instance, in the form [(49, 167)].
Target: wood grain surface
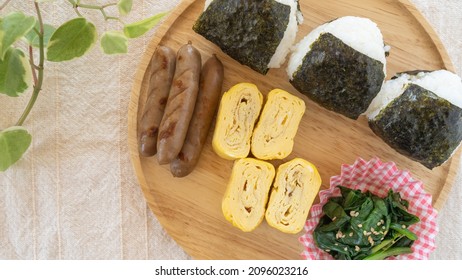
[(190, 208)]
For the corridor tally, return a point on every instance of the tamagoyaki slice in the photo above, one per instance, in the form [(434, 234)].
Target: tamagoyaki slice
[(273, 137), (237, 114), (296, 185), (246, 196)]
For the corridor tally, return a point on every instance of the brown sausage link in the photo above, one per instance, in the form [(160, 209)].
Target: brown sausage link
[(180, 104), (162, 71), (210, 85)]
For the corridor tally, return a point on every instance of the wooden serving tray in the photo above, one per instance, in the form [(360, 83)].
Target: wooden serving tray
[(190, 208)]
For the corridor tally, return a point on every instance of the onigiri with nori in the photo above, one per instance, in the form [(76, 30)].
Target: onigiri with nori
[(256, 33), (340, 65), (419, 114)]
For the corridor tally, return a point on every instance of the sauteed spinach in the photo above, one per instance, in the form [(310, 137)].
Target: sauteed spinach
[(361, 225)]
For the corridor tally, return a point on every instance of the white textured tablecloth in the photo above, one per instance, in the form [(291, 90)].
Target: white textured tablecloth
[(74, 195)]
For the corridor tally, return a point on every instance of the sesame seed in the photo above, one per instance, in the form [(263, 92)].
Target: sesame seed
[(357, 248), (382, 222), (346, 249), (352, 213), (403, 226), (365, 232), (327, 250), (379, 223), (370, 240), (334, 218), (383, 227), (360, 225), (351, 234)]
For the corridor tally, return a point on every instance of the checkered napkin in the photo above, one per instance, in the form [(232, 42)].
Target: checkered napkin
[(378, 177)]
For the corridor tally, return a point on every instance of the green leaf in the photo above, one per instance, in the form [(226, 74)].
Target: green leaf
[(14, 141), (125, 6), (71, 40), (15, 72), (12, 27), (353, 198), (137, 29), (375, 229), (33, 38), (114, 42), (336, 214)]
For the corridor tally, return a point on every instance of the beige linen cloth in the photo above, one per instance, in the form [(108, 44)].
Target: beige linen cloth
[(74, 195)]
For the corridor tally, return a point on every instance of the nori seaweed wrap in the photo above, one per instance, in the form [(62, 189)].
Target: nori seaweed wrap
[(420, 115), (257, 33), (340, 65)]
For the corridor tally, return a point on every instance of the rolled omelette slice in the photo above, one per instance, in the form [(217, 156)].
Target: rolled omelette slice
[(296, 185), (237, 114), (245, 199), (273, 137)]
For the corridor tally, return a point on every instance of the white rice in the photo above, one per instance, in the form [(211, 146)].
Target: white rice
[(207, 3), (443, 83), (361, 34), (288, 39), (283, 49)]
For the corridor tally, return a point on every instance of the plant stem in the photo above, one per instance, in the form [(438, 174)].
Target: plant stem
[(109, 5), (77, 11), (38, 82), (404, 231), (32, 64), (4, 4), (381, 255), (383, 244), (100, 8)]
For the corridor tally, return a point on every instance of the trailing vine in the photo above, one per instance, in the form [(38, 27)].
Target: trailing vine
[(72, 39)]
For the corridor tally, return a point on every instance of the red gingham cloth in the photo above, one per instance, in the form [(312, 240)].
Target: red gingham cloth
[(378, 177)]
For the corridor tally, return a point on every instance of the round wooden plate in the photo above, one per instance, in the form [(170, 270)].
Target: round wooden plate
[(190, 208)]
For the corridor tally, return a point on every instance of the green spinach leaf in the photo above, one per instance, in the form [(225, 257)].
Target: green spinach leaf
[(361, 225)]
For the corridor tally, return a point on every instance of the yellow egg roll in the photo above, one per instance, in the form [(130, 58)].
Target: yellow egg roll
[(238, 112), (294, 190), (273, 137), (245, 199)]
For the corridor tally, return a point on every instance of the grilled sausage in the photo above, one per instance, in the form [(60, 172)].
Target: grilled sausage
[(160, 80), (210, 85), (180, 104)]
